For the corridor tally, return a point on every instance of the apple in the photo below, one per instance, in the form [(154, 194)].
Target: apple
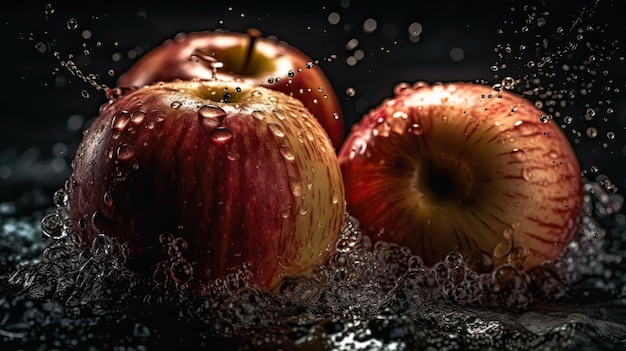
[(204, 179), (253, 59), (462, 167)]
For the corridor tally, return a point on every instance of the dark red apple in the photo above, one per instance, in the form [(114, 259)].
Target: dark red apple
[(208, 177), (249, 57), (459, 166)]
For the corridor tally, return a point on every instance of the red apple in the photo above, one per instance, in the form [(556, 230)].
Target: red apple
[(208, 177), (249, 57), (459, 166)]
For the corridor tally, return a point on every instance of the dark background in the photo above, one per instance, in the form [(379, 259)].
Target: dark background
[(45, 107)]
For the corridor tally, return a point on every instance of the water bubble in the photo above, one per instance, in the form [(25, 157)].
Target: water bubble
[(592, 132), (181, 271), (72, 23), (350, 91), (49, 9), (52, 226)]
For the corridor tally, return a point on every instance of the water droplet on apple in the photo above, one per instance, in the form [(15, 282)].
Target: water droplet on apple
[(107, 199), (284, 214), (416, 129), (176, 104), (280, 114), (335, 198), (137, 117), (502, 249), (518, 154), (124, 152), (260, 115), (286, 152), (212, 112), (120, 120), (221, 135), (276, 130), (295, 185), (527, 174)]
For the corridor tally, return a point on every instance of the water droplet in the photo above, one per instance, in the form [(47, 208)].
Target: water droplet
[(138, 117), (276, 130), (176, 104), (284, 213), (545, 118), (120, 120), (527, 174), (49, 9), (335, 198), (286, 152), (502, 249), (592, 132), (72, 23), (107, 199), (296, 186), (124, 152), (518, 154), (221, 135), (350, 91), (181, 271), (211, 112), (260, 115), (416, 129), (52, 226)]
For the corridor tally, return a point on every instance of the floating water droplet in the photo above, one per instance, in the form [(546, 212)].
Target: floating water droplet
[(72, 23)]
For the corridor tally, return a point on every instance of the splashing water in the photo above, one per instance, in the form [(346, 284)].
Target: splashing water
[(368, 296)]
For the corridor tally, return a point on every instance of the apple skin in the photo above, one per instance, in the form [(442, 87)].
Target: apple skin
[(254, 59), (459, 166), (254, 180)]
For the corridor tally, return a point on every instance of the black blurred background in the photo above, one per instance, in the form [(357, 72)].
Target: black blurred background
[(576, 48)]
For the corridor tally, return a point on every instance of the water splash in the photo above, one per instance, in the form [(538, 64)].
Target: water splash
[(369, 295)]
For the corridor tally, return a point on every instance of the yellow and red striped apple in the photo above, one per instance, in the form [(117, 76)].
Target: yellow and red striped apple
[(459, 166), (240, 174), (248, 57)]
